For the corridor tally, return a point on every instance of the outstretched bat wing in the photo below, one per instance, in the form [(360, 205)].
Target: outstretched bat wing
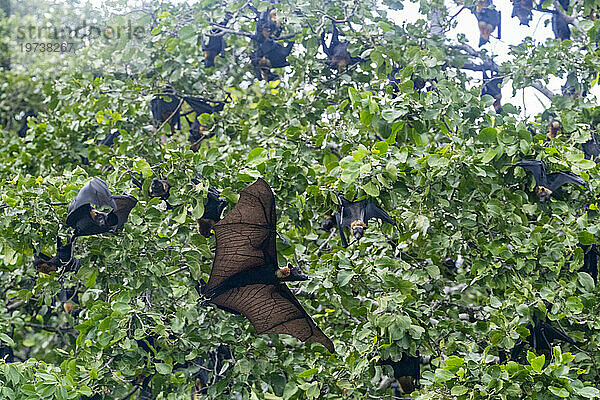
[(246, 236), (557, 179), (274, 309), (537, 168), (552, 334), (372, 210), (125, 204)]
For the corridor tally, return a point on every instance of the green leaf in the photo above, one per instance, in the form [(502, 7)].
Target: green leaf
[(307, 373), (488, 135), (458, 390), (141, 166), (560, 392), (586, 281), (588, 392), (163, 368), (537, 363), (371, 189)]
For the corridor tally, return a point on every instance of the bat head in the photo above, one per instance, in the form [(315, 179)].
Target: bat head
[(290, 273), (543, 193), (328, 223), (358, 228), (103, 219), (159, 188)]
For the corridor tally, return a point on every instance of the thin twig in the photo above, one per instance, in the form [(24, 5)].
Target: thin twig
[(185, 267)]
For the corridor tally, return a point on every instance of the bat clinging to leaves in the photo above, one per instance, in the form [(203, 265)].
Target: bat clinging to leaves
[(547, 184), (560, 26), (554, 127), (337, 52), (356, 215), (407, 371), (267, 26), (245, 278), (541, 337), (215, 363), (212, 212), (86, 220)]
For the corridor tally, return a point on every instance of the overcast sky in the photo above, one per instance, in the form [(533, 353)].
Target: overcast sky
[(512, 34)]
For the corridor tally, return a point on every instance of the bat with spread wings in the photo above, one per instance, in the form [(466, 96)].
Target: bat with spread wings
[(356, 215), (245, 278), (546, 184)]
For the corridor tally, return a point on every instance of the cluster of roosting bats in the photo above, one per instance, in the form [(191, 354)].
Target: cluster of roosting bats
[(246, 278)]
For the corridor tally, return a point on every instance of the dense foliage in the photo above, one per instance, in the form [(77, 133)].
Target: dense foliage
[(437, 158)]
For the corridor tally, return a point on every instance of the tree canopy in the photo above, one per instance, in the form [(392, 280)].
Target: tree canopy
[(474, 280)]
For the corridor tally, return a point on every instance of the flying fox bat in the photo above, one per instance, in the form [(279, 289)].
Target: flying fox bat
[(86, 220), (560, 26), (25, 126), (215, 363), (159, 188), (337, 52), (356, 215), (245, 278), (270, 55), (590, 260), (163, 110), (554, 126), (522, 10), (63, 260), (407, 371), (267, 26), (547, 184), (491, 87), (540, 338), (212, 212), (488, 20), (216, 43), (591, 149)]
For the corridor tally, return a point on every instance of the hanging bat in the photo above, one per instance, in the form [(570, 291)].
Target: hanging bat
[(163, 110), (554, 127), (418, 82), (356, 215), (25, 126), (488, 20), (63, 260), (159, 188), (245, 278), (270, 55), (547, 184), (407, 371), (541, 337), (328, 223), (69, 297), (590, 260), (267, 26), (86, 220), (522, 10), (491, 87), (212, 212), (560, 26), (337, 52), (215, 363), (216, 43), (591, 149)]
